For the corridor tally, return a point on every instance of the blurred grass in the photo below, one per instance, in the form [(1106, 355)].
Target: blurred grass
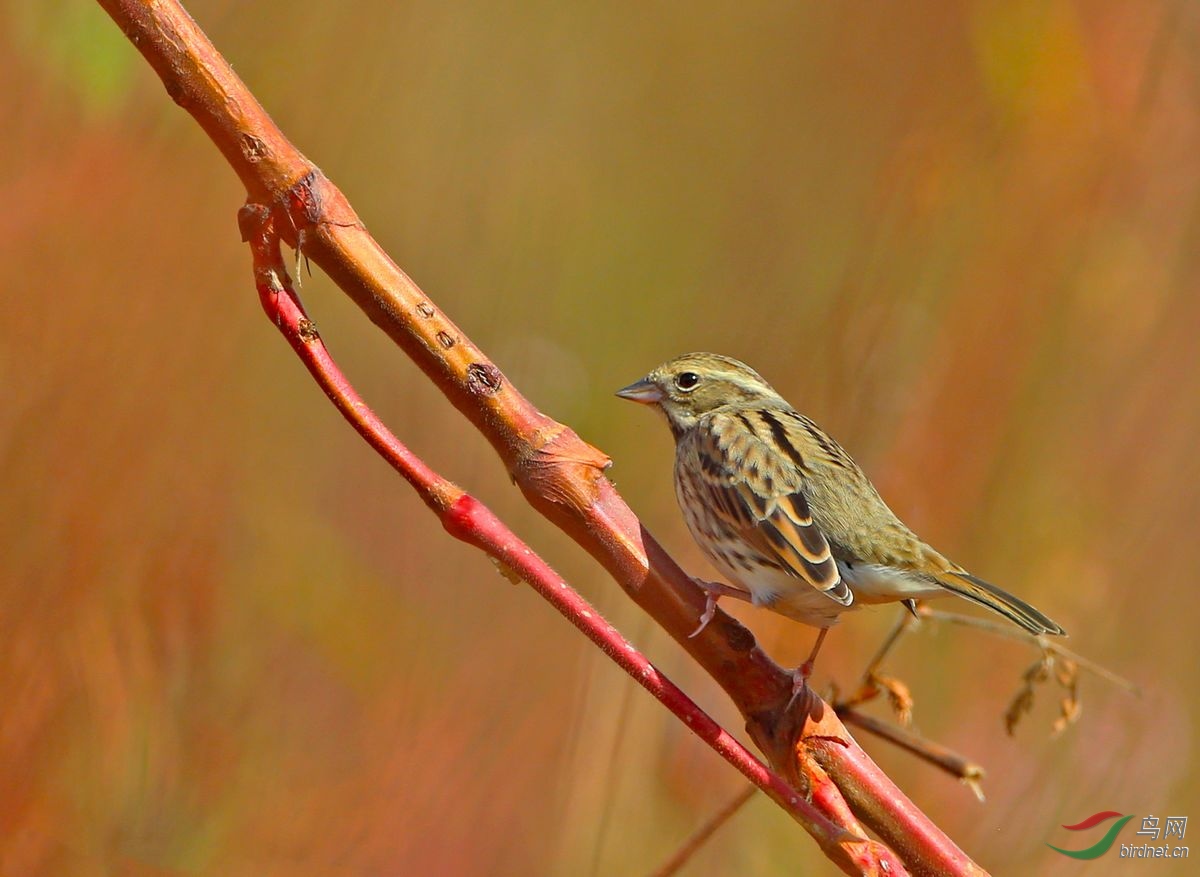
[(960, 236)]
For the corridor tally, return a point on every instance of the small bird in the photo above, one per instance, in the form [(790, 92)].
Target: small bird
[(784, 512)]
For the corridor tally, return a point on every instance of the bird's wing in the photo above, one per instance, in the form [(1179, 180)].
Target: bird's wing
[(751, 477)]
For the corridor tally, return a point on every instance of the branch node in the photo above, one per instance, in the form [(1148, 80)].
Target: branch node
[(253, 219), (304, 200), (307, 330), (461, 517), (253, 148), (483, 378)]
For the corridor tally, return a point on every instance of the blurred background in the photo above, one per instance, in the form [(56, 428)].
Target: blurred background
[(962, 236)]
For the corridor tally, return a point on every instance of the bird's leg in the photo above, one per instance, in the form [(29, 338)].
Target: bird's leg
[(903, 623), (800, 674), (714, 591)]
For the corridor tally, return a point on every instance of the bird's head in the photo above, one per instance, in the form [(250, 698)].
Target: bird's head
[(690, 386)]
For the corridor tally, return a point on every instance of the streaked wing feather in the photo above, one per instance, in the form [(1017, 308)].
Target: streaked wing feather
[(776, 521)]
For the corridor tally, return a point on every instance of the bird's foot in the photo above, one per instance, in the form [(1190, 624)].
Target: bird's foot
[(714, 591), (710, 609), (799, 683), (800, 674)]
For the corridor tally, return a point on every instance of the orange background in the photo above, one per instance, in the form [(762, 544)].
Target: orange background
[(961, 236)]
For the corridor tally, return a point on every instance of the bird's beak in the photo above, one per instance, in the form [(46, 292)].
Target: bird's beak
[(644, 391)]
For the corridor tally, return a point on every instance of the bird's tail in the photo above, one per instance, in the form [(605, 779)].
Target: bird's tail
[(986, 594)]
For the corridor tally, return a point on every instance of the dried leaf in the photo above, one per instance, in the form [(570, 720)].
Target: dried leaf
[(1040, 671), (1020, 705), (1023, 702), (1070, 710), (899, 696), (1067, 676), (1066, 672)]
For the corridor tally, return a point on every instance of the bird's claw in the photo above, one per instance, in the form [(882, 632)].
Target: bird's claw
[(710, 610), (800, 674), (799, 683)]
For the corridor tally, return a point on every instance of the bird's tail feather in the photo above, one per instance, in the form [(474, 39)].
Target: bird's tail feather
[(986, 594)]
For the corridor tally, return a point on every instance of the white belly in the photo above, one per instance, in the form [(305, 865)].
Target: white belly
[(883, 584), (790, 596)]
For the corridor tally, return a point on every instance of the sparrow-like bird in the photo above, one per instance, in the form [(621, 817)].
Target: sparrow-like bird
[(785, 513)]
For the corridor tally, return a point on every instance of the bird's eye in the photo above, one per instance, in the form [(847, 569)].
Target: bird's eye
[(687, 380)]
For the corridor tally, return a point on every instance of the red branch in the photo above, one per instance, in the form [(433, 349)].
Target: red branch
[(560, 474)]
